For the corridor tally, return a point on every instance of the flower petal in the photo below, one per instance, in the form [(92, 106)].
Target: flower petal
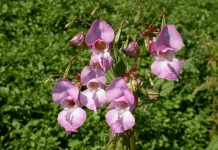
[(130, 98), (63, 90), (128, 120), (167, 69), (100, 97), (87, 99), (114, 121), (119, 120), (169, 39), (103, 60), (89, 73), (71, 119), (117, 83), (99, 29), (113, 94)]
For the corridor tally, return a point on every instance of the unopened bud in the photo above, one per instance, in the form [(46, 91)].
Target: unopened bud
[(78, 40), (132, 49)]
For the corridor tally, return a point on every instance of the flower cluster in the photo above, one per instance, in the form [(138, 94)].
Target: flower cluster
[(93, 77), (119, 94)]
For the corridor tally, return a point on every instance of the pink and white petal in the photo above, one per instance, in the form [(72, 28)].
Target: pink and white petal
[(100, 76), (107, 32), (101, 97), (152, 49), (93, 33), (113, 94), (64, 89), (128, 120), (87, 99), (169, 39), (112, 116), (118, 127), (99, 29), (86, 75), (78, 117), (117, 83), (63, 121), (130, 98), (105, 61), (95, 58), (163, 68)]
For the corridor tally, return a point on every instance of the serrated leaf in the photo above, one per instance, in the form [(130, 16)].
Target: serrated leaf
[(110, 75), (213, 145), (189, 66), (167, 88), (158, 83)]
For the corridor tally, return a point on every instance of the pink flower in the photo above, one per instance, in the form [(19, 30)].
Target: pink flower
[(94, 96), (132, 49), (88, 73), (163, 50), (99, 36), (169, 39), (103, 61), (119, 117), (73, 116), (71, 119), (78, 40), (65, 91), (118, 91)]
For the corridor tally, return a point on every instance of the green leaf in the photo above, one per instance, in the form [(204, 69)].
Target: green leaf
[(167, 88), (110, 75), (213, 145), (189, 66), (120, 142), (158, 83), (117, 37), (138, 14), (120, 68)]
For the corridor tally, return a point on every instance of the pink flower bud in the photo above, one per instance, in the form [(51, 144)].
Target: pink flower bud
[(132, 49), (78, 40)]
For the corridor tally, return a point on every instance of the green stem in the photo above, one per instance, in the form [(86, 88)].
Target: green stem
[(214, 103), (132, 140)]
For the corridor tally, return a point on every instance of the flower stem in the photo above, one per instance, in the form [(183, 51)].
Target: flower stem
[(214, 103), (132, 140)]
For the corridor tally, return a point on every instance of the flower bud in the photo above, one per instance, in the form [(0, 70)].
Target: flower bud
[(78, 40), (132, 49)]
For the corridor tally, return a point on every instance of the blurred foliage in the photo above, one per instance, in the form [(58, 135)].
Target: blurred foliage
[(34, 45)]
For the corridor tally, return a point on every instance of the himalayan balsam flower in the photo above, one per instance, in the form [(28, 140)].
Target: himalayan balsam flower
[(99, 36), (94, 96), (103, 61), (78, 40), (132, 49), (120, 117), (167, 44), (66, 94)]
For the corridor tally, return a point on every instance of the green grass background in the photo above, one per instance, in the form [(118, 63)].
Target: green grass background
[(34, 45)]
